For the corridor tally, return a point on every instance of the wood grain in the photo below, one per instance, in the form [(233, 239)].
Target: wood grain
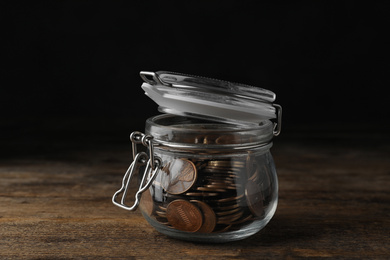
[(55, 203)]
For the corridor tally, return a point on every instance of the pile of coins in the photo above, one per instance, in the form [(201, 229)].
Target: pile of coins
[(208, 195)]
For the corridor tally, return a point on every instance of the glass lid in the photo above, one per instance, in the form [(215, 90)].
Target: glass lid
[(207, 98)]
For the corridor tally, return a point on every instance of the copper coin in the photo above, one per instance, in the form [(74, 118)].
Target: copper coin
[(200, 164), (220, 182), (243, 220), (221, 174), (224, 168), (184, 216), (254, 198), (209, 218), (229, 207), (169, 197), (217, 186), (161, 214), (163, 222), (228, 212), (225, 185), (186, 168), (162, 208), (210, 189), (211, 169), (201, 193), (215, 180), (182, 175), (235, 164), (229, 219), (231, 198), (223, 229)]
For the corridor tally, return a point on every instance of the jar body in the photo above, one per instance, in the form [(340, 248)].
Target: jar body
[(217, 182)]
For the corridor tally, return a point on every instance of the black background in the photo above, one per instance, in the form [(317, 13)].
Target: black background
[(326, 60)]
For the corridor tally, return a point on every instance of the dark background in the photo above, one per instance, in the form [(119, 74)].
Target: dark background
[(75, 64), (70, 95)]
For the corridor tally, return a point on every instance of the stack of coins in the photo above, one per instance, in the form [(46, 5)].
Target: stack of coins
[(207, 195)]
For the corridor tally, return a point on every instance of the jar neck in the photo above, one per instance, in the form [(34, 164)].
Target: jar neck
[(178, 132)]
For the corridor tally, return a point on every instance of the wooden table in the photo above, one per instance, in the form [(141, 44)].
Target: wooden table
[(55, 200)]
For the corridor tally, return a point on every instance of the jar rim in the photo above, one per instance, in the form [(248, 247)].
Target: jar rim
[(168, 128), (211, 125)]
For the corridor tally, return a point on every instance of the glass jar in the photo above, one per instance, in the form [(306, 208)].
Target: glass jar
[(204, 180)]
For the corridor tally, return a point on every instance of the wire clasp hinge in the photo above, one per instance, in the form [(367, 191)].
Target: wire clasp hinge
[(152, 78), (153, 165), (278, 123)]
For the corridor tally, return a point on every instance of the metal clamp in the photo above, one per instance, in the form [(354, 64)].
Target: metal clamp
[(151, 78), (135, 138), (153, 165), (278, 124), (140, 138)]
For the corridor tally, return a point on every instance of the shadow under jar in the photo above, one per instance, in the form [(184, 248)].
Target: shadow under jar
[(217, 181)]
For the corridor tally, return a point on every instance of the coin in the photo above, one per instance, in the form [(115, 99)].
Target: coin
[(224, 229), (209, 218), (229, 212), (184, 216), (217, 186), (254, 198), (231, 198), (228, 207), (187, 170), (221, 173), (180, 176), (220, 194), (200, 164), (215, 180), (243, 220), (214, 169), (224, 184), (162, 208), (229, 219), (203, 194), (170, 197), (218, 169), (210, 189), (161, 214), (229, 163)]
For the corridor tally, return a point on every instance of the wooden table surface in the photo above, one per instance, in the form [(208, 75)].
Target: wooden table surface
[(55, 200)]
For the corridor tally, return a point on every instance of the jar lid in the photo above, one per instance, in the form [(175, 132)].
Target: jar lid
[(211, 99)]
